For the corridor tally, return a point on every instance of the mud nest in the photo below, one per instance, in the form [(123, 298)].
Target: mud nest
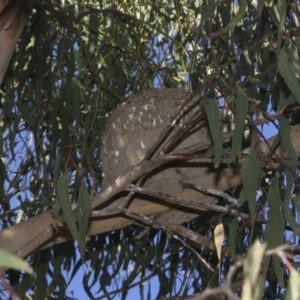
[(134, 126)]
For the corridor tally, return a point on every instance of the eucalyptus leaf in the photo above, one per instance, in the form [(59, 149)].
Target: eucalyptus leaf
[(283, 11), (64, 200), (274, 228), (219, 234), (11, 261), (84, 209), (215, 129), (241, 109), (232, 238), (251, 173), (238, 18), (293, 289), (287, 71), (289, 158), (253, 262)]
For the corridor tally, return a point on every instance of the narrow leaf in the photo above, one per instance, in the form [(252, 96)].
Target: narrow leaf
[(259, 288), (288, 152), (285, 101), (281, 26), (260, 6), (253, 261), (238, 18), (64, 200), (75, 91), (240, 112), (251, 173), (84, 207), (287, 71), (232, 237), (293, 289), (212, 111), (56, 168), (289, 158), (275, 227), (218, 239), (296, 201), (11, 261), (253, 282)]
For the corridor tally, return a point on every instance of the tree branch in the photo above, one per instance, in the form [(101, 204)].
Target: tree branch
[(37, 232)]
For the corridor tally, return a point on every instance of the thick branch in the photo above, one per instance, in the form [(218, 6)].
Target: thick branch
[(37, 232), (14, 15)]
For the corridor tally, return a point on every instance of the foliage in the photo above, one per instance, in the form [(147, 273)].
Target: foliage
[(77, 60), (8, 260)]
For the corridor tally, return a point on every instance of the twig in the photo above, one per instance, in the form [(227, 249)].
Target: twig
[(143, 280), (209, 292), (210, 191), (152, 223), (9, 288), (190, 203), (192, 235)]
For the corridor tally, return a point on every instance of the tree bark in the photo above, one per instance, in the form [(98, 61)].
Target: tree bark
[(14, 15)]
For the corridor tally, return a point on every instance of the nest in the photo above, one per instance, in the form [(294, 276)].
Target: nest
[(135, 125)]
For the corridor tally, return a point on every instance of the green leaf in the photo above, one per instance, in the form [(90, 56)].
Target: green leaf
[(56, 168), (92, 37), (64, 123), (253, 282), (296, 201), (241, 109), (105, 279), (293, 289), (260, 83), (288, 153), (260, 6), (232, 237), (212, 111), (285, 102), (274, 228), (75, 94), (55, 214), (225, 13), (11, 261), (259, 288), (251, 174), (253, 262), (84, 209), (283, 8), (288, 213), (289, 158), (238, 18), (287, 72), (64, 200)]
